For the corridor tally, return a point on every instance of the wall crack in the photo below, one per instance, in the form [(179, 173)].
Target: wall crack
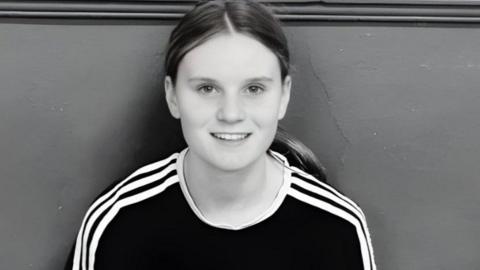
[(329, 99)]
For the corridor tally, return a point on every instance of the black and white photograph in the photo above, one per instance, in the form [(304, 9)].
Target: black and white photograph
[(240, 134)]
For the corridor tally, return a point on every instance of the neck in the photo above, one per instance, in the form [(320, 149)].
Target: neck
[(233, 197), (213, 188)]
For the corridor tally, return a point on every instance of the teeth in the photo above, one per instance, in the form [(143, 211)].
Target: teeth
[(230, 136)]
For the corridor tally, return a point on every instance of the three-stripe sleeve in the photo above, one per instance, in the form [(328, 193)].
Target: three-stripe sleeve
[(158, 175), (314, 192)]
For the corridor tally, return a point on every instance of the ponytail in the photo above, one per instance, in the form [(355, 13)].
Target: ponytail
[(298, 154)]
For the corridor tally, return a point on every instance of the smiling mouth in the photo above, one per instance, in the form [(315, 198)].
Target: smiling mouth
[(231, 136)]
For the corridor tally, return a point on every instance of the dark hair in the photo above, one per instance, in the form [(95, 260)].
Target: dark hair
[(209, 18)]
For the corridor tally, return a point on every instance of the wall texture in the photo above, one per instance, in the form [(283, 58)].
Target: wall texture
[(391, 109)]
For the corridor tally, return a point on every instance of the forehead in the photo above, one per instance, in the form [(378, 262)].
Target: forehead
[(230, 57)]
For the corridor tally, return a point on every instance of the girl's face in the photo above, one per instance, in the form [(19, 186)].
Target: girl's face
[(229, 96)]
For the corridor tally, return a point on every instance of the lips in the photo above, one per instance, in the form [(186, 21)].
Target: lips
[(234, 137)]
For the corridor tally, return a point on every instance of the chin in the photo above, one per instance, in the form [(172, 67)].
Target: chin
[(233, 161)]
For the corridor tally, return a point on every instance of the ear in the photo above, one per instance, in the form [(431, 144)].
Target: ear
[(171, 97), (285, 98)]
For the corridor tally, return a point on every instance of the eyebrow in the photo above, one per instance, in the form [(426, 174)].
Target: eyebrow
[(255, 79)]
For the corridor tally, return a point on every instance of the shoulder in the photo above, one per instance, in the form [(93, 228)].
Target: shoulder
[(146, 182), (143, 183), (310, 190), (158, 171), (329, 201)]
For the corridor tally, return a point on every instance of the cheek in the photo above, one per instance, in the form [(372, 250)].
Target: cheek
[(266, 118), (194, 112), (266, 112)]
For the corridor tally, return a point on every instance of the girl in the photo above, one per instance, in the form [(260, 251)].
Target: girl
[(228, 201)]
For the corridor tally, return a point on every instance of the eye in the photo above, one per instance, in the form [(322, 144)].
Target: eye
[(255, 89), (207, 89)]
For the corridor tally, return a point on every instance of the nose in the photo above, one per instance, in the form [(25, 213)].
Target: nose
[(231, 109)]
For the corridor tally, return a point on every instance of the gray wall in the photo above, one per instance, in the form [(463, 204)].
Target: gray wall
[(391, 109)]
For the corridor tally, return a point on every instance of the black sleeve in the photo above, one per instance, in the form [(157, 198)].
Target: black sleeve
[(69, 262), (352, 250)]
